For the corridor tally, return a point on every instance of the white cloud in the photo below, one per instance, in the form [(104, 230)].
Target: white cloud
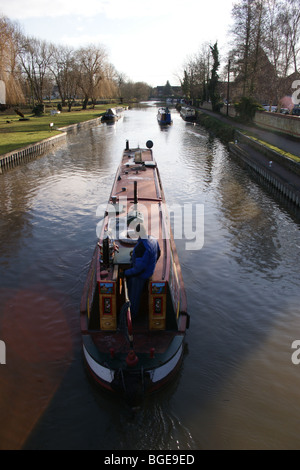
[(113, 9), (81, 39), (181, 10), (116, 9), (143, 38), (22, 9)]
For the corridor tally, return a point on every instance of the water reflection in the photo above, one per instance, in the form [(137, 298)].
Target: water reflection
[(251, 224), (15, 199)]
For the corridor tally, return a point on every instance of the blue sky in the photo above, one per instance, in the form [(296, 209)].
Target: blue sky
[(147, 40)]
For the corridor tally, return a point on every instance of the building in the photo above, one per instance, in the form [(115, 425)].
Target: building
[(163, 92)]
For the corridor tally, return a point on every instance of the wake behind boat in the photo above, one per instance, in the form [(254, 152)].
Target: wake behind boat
[(134, 356)]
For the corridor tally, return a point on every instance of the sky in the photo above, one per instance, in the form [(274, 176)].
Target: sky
[(146, 40)]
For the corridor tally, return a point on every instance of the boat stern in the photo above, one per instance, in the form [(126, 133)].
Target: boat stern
[(133, 374)]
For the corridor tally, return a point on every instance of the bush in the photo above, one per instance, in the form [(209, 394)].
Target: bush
[(39, 109), (246, 108), (215, 126)]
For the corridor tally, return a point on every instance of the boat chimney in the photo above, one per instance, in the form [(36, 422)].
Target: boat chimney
[(127, 144), (135, 201), (106, 251)]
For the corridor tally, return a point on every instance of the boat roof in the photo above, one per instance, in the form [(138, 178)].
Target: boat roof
[(138, 169)]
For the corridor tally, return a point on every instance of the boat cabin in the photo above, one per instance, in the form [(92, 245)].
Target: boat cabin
[(136, 197)]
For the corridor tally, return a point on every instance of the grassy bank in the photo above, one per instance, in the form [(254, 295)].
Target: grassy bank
[(224, 131), (16, 133), (273, 148)]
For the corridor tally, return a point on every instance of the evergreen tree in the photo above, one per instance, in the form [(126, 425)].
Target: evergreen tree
[(185, 85), (214, 80)]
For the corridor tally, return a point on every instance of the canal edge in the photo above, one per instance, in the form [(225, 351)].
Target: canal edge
[(244, 147), (23, 155)]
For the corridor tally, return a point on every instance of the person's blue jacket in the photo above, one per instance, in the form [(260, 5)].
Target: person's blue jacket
[(144, 258)]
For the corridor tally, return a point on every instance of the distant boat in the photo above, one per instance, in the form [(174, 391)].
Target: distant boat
[(164, 116), (187, 113), (112, 114)]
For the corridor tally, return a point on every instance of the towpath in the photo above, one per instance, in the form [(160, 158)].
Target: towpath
[(287, 144)]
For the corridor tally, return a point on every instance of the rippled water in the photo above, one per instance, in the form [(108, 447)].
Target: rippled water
[(238, 388)]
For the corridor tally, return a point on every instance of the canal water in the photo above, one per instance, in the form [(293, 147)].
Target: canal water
[(238, 387)]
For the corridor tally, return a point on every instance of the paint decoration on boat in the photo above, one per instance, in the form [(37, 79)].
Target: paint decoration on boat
[(134, 356)]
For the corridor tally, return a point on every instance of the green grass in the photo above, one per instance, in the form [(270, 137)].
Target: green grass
[(16, 134), (275, 149), (222, 130)]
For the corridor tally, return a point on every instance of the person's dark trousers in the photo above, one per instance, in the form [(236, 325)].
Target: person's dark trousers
[(135, 289)]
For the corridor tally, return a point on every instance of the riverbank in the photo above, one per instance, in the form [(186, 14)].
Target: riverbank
[(278, 165), (273, 169), (219, 122), (41, 134), (17, 133), (223, 130)]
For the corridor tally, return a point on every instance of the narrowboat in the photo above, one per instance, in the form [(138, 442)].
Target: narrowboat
[(112, 115), (188, 113), (164, 116), (134, 356)]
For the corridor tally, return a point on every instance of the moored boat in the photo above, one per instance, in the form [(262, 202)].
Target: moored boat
[(164, 116), (134, 356), (112, 114), (187, 113)]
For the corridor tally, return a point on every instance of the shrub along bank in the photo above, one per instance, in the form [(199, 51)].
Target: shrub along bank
[(225, 132)]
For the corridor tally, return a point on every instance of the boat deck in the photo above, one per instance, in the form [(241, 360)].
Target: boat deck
[(143, 340), (130, 171)]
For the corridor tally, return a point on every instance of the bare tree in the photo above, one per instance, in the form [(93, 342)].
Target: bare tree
[(141, 91), (248, 34), (91, 64), (120, 82), (63, 67), (282, 38), (30, 67), (293, 29), (35, 57), (126, 88), (197, 74), (9, 65), (273, 41)]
